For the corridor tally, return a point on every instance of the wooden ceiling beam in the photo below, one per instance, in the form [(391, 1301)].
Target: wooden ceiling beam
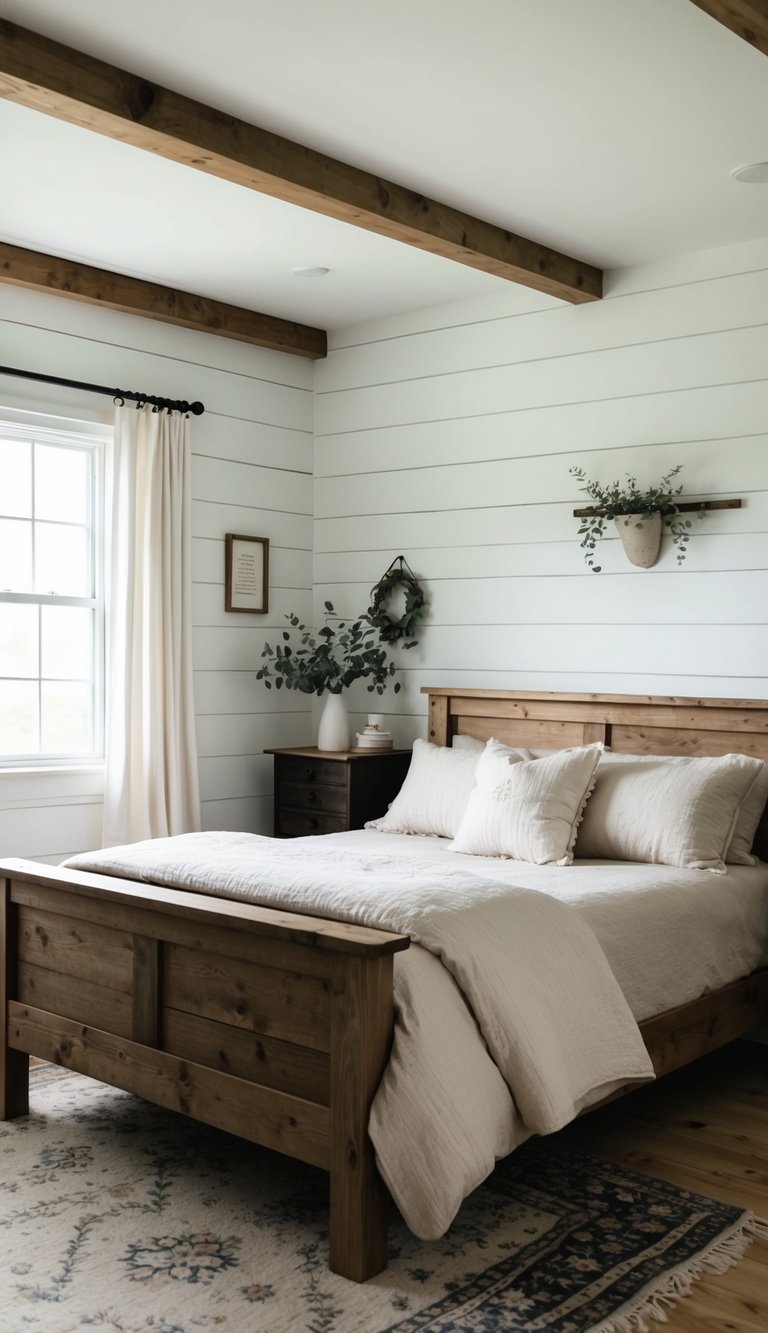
[(134, 296), (55, 79), (747, 18)]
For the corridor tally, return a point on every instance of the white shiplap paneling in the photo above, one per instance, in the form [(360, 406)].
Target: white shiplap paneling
[(450, 439)]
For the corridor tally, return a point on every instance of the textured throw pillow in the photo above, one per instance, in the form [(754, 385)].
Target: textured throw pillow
[(434, 796), (752, 807), (527, 810), (666, 810)]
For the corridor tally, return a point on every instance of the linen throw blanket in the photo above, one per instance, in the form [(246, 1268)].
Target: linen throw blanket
[(519, 973)]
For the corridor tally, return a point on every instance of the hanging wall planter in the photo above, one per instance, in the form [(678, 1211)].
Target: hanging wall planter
[(641, 537), (640, 516)]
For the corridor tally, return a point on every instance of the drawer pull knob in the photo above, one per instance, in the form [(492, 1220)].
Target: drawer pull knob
[(310, 775), (312, 797), (312, 823)]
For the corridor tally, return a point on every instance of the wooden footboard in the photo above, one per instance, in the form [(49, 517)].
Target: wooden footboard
[(271, 1025)]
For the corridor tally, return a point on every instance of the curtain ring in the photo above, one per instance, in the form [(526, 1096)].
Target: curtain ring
[(118, 400)]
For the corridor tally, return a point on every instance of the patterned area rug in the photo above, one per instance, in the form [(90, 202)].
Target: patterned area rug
[(118, 1215)]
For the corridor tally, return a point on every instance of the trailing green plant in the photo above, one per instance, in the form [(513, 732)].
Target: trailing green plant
[(327, 659), (621, 498)]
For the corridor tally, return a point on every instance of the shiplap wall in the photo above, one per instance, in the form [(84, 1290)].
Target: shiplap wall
[(448, 436), (251, 473)]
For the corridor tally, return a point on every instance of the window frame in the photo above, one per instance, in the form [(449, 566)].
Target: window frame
[(93, 439)]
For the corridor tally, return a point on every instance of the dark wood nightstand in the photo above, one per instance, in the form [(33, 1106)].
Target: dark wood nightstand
[(329, 791)]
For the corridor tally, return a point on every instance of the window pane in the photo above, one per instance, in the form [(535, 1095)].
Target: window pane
[(18, 717), (15, 555), (61, 560), (66, 646), (61, 484), (66, 717), (18, 640), (16, 478)]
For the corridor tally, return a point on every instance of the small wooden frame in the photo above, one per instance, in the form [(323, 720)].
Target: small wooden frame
[(276, 1026), (246, 576)]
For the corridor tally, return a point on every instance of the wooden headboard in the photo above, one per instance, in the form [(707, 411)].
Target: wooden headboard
[(634, 724)]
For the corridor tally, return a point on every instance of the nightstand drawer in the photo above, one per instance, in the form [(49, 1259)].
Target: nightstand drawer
[(298, 823), (309, 798), (328, 791), (292, 768)]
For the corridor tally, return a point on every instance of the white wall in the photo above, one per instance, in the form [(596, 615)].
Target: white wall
[(448, 436), (252, 473)]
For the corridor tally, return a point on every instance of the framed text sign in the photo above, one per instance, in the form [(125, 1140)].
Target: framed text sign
[(246, 586)]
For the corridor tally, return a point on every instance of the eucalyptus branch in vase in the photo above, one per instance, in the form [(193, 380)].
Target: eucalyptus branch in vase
[(328, 659)]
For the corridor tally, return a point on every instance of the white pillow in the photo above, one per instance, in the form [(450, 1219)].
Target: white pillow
[(473, 745), (527, 810), (666, 810), (752, 807), (470, 743), (434, 796)]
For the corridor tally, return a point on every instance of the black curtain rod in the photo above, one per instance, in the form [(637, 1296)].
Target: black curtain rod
[(119, 395)]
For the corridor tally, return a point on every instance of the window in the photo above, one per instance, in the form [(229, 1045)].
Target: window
[(51, 594)]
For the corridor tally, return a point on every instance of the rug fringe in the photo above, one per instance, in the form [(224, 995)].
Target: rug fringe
[(653, 1304)]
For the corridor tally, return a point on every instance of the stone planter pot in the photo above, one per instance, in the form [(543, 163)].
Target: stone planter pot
[(641, 537), (333, 731)]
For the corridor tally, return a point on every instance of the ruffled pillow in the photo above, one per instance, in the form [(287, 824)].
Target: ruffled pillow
[(527, 810)]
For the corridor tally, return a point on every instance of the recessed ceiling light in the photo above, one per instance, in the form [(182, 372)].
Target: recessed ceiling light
[(317, 272), (755, 173)]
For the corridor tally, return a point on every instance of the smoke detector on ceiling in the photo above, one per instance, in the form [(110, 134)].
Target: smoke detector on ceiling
[(755, 173)]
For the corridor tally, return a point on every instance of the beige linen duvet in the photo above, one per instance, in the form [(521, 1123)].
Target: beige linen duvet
[(509, 1015)]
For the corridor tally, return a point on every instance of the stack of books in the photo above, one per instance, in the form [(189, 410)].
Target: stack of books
[(373, 738)]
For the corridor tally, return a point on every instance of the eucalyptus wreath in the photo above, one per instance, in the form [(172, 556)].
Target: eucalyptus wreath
[(391, 629)]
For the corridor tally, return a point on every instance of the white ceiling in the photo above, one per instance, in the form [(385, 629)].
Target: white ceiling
[(605, 128)]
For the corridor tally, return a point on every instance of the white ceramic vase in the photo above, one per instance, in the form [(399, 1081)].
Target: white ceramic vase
[(333, 731), (641, 543)]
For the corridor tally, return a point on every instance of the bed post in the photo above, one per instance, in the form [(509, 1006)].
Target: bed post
[(361, 1036), (438, 721), (14, 1065)]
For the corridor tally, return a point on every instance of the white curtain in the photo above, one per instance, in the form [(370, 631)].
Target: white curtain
[(151, 781)]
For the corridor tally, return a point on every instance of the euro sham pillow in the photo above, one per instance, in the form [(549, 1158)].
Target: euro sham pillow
[(473, 745), (527, 810), (666, 810), (470, 744), (434, 796)]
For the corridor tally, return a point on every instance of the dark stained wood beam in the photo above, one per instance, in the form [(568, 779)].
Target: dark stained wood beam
[(59, 81), (134, 296), (747, 18)]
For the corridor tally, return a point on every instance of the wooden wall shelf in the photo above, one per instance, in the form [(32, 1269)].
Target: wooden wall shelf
[(687, 507)]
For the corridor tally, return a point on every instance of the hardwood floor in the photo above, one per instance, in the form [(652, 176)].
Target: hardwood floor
[(705, 1128)]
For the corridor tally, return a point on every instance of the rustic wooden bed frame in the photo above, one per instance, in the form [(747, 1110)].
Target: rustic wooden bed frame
[(276, 1026)]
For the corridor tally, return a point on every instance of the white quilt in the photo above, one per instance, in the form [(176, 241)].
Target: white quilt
[(500, 967)]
